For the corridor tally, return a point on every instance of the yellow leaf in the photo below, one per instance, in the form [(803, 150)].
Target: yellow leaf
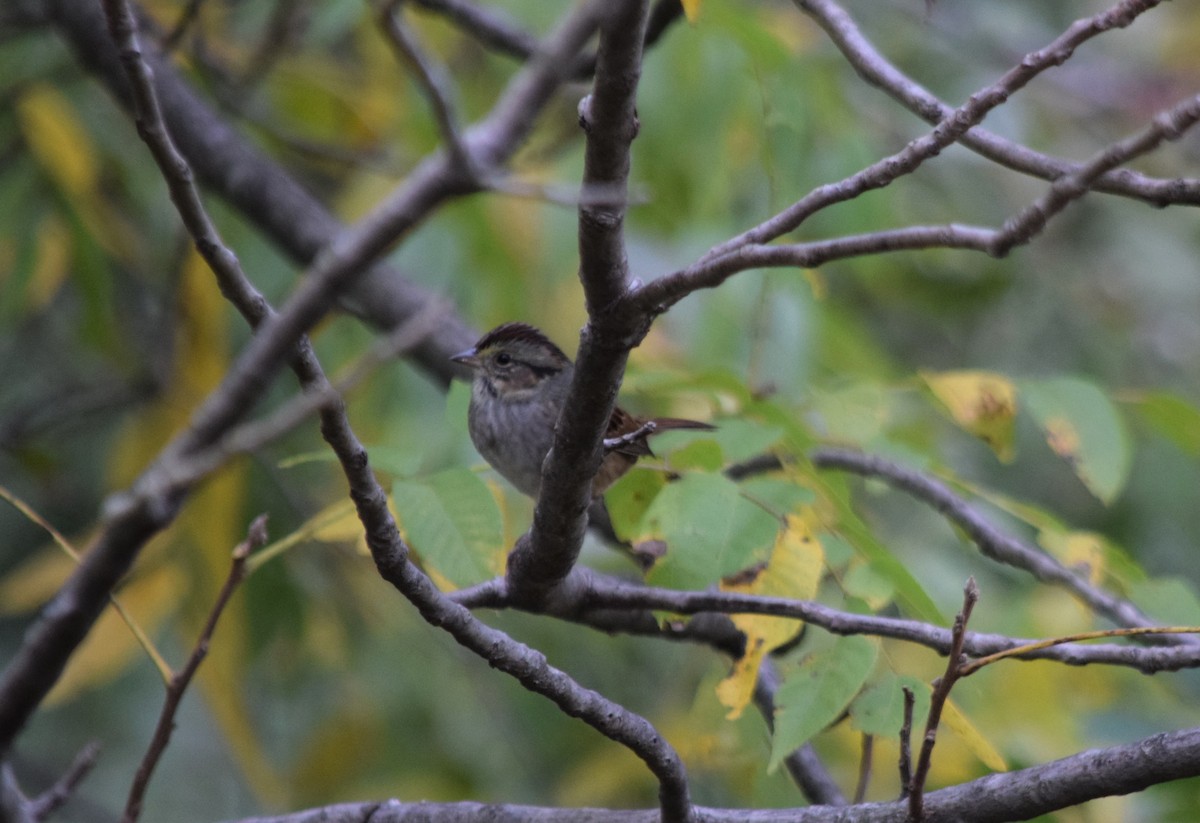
[(982, 403), (52, 258), (63, 148), (33, 582), (57, 139), (793, 570), (979, 745), (691, 8)]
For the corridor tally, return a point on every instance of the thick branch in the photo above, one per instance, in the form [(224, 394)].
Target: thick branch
[(545, 556), (613, 605), (1017, 795)]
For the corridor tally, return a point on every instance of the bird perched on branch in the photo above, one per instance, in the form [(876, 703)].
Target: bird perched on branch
[(520, 383)]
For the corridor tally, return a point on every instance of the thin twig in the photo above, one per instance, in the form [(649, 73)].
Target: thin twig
[(1168, 125), (937, 702), (256, 536), (910, 701), (433, 82), (49, 801), (188, 16)]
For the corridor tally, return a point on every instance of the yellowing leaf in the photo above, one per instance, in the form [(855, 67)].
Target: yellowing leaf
[(1082, 551), (691, 9), (1084, 428), (982, 403), (793, 570), (979, 745)]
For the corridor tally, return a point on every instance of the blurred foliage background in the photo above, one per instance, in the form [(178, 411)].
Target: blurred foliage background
[(324, 685)]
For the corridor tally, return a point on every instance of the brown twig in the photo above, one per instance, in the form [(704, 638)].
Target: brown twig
[(432, 81), (910, 701), (256, 536), (188, 16), (937, 702)]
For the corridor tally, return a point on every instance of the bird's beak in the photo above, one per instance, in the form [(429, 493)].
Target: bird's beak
[(468, 357)]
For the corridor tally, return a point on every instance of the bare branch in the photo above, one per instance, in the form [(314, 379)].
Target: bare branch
[(48, 802), (434, 84), (1017, 795), (545, 555), (256, 537), (494, 29), (613, 605), (864, 768), (1166, 125), (937, 702), (905, 764), (874, 68), (655, 297), (995, 544)]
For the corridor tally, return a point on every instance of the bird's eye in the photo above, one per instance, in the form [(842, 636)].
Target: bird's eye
[(503, 358)]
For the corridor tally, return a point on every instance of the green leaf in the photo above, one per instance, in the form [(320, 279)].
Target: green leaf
[(703, 455), (879, 709), (867, 584), (1170, 599), (452, 521), (710, 530), (1084, 428), (816, 693), (778, 495), (742, 439), (630, 497), (909, 591), (1174, 418)]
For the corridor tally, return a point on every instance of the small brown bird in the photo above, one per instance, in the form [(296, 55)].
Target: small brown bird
[(521, 381)]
